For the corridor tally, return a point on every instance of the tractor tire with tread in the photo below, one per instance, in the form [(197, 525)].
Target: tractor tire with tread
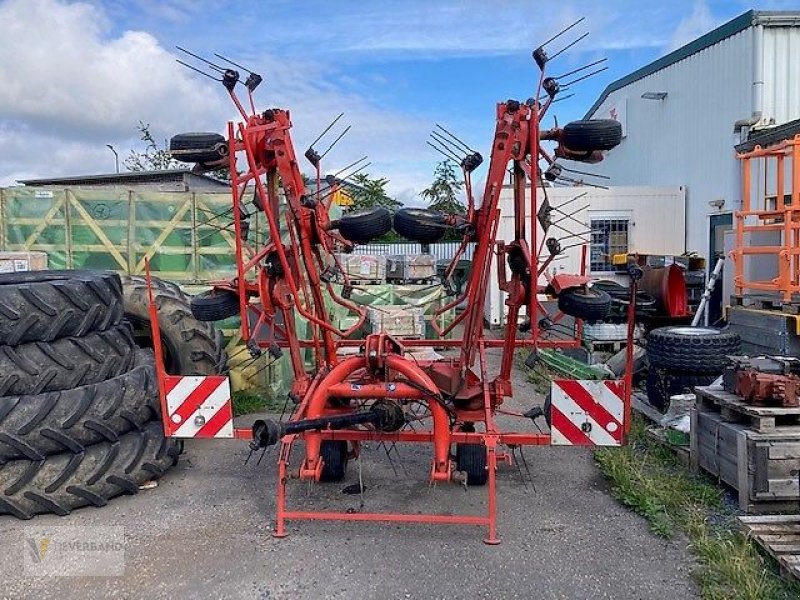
[(198, 147), (33, 427), (334, 460), (215, 305), (66, 363), (420, 225), (588, 304), (363, 226), (191, 346), (591, 135), (686, 349), (41, 306), (66, 481), (471, 459)]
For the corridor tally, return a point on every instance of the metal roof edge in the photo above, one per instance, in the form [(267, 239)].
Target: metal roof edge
[(726, 30)]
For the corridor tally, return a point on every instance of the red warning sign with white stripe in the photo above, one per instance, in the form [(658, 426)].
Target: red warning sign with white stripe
[(587, 413), (199, 407)]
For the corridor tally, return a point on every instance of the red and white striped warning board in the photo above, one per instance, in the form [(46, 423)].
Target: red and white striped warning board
[(199, 407), (587, 413)]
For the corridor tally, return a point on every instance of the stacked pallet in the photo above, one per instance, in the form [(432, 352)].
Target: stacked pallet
[(754, 449)]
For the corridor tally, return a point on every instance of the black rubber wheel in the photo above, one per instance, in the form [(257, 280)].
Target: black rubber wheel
[(420, 225), (215, 305), (66, 363), (334, 460), (662, 385), (197, 147), (547, 408), (589, 304), (41, 306), (66, 481), (692, 349), (33, 427), (471, 459), (363, 226), (191, 347), (596, 134)]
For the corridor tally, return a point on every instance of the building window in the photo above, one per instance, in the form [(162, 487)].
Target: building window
[(609, 237)]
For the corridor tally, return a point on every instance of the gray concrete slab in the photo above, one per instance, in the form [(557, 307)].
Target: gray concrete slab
[(204, 532)]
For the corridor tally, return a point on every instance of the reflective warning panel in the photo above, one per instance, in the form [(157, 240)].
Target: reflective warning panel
[(587, 413), (199, 407)]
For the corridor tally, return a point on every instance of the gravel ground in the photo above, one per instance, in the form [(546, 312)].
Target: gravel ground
[(205, 532)]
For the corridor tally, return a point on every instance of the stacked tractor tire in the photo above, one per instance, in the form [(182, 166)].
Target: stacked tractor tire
[(684, 357), (79, 405)]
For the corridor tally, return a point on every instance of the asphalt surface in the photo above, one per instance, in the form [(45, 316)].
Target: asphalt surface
[(204, 532)]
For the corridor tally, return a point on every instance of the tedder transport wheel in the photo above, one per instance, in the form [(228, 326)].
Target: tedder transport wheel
[(547, 408), (198, 147), (471, 459), (662, 385), (692, 349), (587, 136), (34, 426), (584, 303), (67, 362), (41, 306), (191, 347), (421, 225), (362, 226), (334, 458), (66, 481), (215, 305)]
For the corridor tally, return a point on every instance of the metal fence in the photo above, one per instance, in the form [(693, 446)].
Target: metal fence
[(443, 251)]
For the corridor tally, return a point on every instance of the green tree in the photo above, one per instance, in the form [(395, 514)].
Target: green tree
[(369, 193), (442, 195), (156, 157)]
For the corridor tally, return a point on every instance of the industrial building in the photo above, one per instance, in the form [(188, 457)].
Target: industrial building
[(683, 114)]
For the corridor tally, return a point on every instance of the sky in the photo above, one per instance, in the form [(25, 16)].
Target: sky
[(77, 76)]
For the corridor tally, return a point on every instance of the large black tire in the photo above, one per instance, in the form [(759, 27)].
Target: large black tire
[(191, 347), (33, 427), (692, 349), (215, 305), (198, 147), (662, 385), (471, 459), (41, 306), (363, 226), (589, 304), (587, 136), (334, 460), (421, 225), (67, 481), (65, 363)]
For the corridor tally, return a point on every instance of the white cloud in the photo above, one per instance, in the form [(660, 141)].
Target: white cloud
[(691, 27), (70, 87)]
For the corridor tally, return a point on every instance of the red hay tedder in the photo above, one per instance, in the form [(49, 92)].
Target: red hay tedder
[(344, 400)]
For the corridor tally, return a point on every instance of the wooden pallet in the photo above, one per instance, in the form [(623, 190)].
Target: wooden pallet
[(760, 302), (734, 410), (760, 466), (779, 535)]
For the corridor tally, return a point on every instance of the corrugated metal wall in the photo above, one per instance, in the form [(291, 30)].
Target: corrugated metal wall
[(687, 138), (782, 73)]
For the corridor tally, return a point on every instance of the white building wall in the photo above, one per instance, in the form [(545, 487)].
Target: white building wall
[(656, 227), (686, 139), (781, 74)]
